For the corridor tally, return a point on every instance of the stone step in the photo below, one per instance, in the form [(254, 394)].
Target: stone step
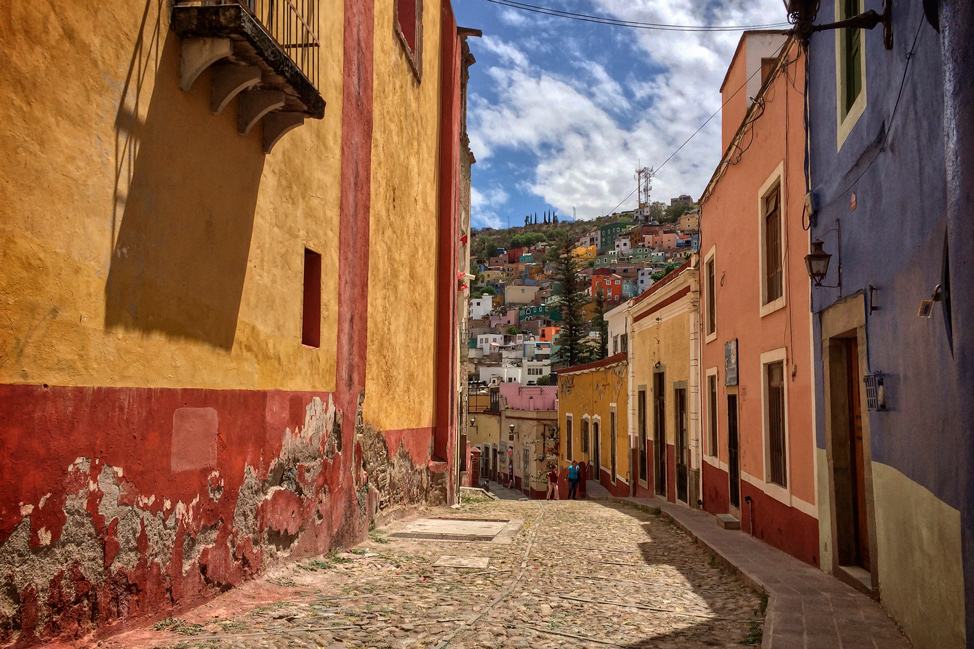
[(728, 522)]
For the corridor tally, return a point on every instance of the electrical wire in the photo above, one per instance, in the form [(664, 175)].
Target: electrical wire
[(708, 120), (632, 24)]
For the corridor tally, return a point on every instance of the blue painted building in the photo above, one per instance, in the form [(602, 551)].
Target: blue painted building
[(892, 179)]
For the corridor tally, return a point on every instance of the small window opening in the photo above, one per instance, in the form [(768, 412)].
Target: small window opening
[(311, 316)]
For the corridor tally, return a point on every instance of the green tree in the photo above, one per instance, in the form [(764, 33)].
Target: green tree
[(482, 291), (674, 212), (602, 326), (571, 303), (663, 273), (484, 247), (512, 330)]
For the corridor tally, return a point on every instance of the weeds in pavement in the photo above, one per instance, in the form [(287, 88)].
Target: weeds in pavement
[(177, 625), (324, 563), (754, 634), (283, 583), (378, 536)]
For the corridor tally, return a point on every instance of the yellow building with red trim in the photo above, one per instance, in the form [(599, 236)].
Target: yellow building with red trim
[(204, 286), (593, 422)]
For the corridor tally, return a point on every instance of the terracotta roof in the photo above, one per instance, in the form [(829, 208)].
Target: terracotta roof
[(605, 362)]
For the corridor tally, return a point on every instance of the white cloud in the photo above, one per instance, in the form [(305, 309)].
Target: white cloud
[(587, 133), (506, 52)]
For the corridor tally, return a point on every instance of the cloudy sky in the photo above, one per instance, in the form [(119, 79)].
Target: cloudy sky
[(561, 112)]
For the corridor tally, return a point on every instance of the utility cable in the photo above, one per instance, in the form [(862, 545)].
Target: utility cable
[(632, 24)]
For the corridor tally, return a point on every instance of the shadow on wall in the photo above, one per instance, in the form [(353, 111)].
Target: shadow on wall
[(186, 186)]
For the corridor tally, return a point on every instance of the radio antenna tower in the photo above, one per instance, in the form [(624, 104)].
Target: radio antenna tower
[(644, 177)]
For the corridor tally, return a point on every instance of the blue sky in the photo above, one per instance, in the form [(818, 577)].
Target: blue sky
[(561, 112)]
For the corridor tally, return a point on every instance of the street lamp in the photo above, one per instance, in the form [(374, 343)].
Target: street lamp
[(817, 262), (510, 433)]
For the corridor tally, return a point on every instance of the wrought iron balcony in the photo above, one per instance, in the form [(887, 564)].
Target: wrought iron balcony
[(265, 53)]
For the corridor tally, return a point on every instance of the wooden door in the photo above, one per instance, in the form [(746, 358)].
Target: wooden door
[(733, 463), (858, 456), (682, 447), (659, 432)]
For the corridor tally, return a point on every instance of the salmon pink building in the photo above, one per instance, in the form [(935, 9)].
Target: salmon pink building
[(756, 372)]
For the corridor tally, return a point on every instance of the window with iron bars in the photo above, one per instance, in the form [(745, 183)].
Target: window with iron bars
[(777, 465)]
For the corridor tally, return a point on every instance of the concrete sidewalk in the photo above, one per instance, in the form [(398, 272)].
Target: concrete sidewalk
[(807, 608)]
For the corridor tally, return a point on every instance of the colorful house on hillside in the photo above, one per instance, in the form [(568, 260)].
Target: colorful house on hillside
[(609, 285), (664, 388), (759, 462), (585, 252), (892, 168), (548, 334), (187, 259), (609, 232), (593, 417)]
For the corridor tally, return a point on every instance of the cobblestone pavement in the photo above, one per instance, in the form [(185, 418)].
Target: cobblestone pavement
[(577, 574)]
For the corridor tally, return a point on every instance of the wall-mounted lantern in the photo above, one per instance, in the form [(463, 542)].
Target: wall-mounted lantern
[(817, 262), (510, 433)]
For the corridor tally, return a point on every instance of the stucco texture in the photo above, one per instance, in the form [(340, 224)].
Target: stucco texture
[(591, 392), (402, 281), (661, 333), (144, 241), (730, 225), (919, 542)]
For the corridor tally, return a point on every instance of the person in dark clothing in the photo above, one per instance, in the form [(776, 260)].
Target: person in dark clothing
[(573, 476), (552, 483)]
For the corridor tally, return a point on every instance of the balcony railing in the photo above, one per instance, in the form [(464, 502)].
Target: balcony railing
[(292, 24)]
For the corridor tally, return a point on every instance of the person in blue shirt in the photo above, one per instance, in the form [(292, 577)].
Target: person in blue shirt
[(573, 480)]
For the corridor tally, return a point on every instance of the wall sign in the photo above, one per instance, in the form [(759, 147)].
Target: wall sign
[(730, 362)]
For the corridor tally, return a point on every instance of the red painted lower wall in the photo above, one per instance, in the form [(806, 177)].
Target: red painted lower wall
[(779, 525), (121, 502), (775, 523), (716, 490)]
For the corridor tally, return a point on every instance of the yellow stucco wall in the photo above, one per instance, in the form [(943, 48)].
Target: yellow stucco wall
[(672, 351), (143, 241), (918, 541), (585, 252), (595, 393), (402, 284)]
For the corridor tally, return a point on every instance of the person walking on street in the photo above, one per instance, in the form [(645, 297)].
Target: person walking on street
[(573, 472), (553, 484)]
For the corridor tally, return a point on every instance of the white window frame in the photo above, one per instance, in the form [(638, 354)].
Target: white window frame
[(711, 256), (712, 452), (776, 178), (569, 436), (778, 492), (844, 125)]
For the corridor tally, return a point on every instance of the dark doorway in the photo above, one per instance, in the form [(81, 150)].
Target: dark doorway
[(682, 446), (733, 462), (596, 451), (860, 528), (641, 432), (659, 433)]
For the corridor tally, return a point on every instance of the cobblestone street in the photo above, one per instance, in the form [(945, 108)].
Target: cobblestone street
[(575, 574)]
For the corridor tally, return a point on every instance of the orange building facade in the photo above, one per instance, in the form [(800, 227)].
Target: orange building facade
[(756, 371)]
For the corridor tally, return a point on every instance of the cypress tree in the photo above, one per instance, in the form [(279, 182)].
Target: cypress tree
[(570, 303)]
